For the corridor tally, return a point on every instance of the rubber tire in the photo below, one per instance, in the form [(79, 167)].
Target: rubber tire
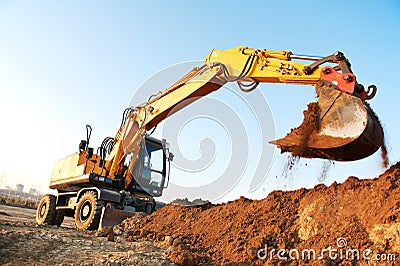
[(59, 218), (88, 212), (150, 207), (46, 210)]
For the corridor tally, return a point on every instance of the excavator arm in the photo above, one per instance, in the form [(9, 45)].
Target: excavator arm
[(340, 126)]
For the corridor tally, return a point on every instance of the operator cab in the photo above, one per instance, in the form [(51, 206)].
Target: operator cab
[(152, 166)]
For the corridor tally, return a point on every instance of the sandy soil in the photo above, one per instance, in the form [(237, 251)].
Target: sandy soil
[(357, 222), (22, 242)]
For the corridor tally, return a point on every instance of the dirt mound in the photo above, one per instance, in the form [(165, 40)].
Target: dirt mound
[(186, 202), (357, 216)]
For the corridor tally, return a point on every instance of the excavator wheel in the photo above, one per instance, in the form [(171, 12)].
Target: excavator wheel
[(46, 210), (88, 212), (340, 127), (59, 218)]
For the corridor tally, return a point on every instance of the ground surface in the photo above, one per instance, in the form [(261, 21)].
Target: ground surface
[(23, 243), (354, 223)]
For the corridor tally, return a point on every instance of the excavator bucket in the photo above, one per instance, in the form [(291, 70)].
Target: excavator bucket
[(339, 127), (111, 217)]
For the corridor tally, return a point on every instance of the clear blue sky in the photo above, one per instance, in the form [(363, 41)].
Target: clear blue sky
[(67, 63)]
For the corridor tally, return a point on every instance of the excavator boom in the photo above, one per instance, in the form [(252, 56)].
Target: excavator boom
[(339, 126)]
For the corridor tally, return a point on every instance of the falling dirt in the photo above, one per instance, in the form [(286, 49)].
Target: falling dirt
[(358, 215), (385, 159), (289, 170), (384, 153), (290, 164), (326, 165), (310, 124)]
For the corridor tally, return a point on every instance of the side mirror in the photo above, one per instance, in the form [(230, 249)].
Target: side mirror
[(82, 145), (170, 156)]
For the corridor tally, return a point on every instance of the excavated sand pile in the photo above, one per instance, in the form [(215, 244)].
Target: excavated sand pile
[(358, 215)]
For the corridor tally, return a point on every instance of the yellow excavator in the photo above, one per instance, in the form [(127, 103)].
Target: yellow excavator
[(128, 171)]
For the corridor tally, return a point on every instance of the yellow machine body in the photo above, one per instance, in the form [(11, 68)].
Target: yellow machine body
[(73, 170)]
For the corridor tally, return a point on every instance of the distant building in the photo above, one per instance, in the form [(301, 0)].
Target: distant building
[(20, 188), (33, 191)]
